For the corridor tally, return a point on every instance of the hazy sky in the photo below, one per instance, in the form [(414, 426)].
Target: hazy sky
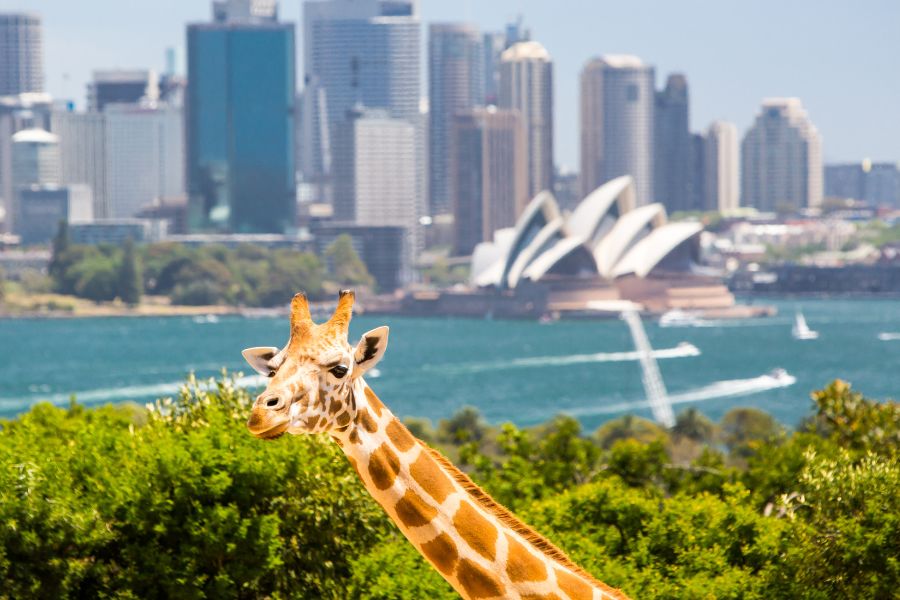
[(842, 58)]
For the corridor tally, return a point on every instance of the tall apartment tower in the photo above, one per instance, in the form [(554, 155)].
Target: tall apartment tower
[(455, 85), (672, 146), (489, 168), (356, 52), (21, 54), (722, 167), (493, 43), (781, 159), (526, 85), (240, 121), (617, 125)]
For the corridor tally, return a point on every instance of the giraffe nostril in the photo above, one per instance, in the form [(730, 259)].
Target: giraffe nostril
[(271, 402)]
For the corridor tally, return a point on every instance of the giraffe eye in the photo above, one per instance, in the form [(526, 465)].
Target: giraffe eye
[(271, 373), (338, 370)]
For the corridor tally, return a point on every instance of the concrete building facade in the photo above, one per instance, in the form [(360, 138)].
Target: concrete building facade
[(617, 123), (781, 159), (21, 54), (526, 85), (722, 167), (82, 153)]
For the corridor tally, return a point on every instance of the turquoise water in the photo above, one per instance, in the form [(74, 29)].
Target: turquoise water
[(511, 370)]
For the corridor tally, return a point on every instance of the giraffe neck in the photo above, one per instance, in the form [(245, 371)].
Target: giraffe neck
[(481, 549)]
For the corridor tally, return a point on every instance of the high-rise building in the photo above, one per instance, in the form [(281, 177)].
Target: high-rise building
[(122, 86), (566, 189), (356, 52), (722, 167), (21, 54), (375, 176), (876, 183), (455, 85), (781, 159), (34, 161), (699, 200), (489, 174), (672, 184), (493, 43), (224, 11), (526, 85), (82, 153), (144, 156), (617, 101), (17, 113), (240, 125)]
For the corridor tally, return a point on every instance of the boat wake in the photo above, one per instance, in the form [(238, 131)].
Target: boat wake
[(728, 388), (682, 350), (131, 392)]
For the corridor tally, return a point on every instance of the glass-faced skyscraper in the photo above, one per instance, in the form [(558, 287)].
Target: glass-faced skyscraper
[(21, 54), (240, 124), (356, 53)]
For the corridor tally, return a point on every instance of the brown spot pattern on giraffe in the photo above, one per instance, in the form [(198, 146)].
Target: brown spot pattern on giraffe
[(441, 552), (400, 435), (413, 511), (479, 533), (367, 421), (522, 565), (343, 419), (374, 402), (574, 587), (540, 597), (383, 467), (477, 582), (426, 473)]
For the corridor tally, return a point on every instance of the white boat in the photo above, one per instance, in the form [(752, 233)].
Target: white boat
[(801, 330), (887, 336), (680, 318)]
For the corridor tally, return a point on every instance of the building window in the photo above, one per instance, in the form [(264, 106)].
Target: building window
[(632, 93)]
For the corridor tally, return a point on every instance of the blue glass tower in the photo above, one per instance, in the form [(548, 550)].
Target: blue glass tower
[(240, 126)]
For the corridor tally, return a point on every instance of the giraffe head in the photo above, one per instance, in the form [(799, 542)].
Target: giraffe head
[(311, 379)]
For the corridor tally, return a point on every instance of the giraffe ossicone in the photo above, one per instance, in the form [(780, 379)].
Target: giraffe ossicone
[(316, 385)]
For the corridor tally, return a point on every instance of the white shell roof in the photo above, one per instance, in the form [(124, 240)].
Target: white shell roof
[(647, 253), (613, 245), (589, 213)]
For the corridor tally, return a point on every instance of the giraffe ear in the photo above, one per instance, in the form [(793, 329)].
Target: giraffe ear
[(259, 357), (370, 349)]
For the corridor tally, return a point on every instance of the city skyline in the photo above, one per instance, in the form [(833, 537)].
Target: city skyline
[(676, 38)]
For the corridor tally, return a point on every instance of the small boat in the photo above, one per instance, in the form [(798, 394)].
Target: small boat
[(801, 330), (889, 336), (680, 318), (206, 319)]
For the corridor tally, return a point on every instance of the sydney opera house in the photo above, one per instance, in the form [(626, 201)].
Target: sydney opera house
[(606, 255)]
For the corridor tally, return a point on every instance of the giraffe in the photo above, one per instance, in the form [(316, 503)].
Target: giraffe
[(316, 385)]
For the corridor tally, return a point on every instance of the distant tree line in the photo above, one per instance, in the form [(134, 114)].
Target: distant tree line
[(246, 275), (180, 501)]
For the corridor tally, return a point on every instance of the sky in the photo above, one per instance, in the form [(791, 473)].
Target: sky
[(841, 58)]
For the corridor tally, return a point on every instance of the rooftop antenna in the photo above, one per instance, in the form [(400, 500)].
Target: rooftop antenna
[(654, 387)]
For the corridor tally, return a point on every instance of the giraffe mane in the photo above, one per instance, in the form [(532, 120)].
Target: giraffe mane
[(536, 540)]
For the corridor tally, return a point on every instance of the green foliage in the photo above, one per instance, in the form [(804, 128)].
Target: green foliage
[(188, 506), (178, 500), (347, 269), (442, 275), (129, 283)]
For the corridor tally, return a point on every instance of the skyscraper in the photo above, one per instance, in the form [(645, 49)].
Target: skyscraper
[(356, 52), (455, 85), (375, 176), (493, 43), (21, 54), (781, 159), (82, 153), (17, 113), (489, 178), (672, 142), (240, 124), (878, 184), (35, 161), (526, 85), (722, 166), (617, 125), (144, 156)]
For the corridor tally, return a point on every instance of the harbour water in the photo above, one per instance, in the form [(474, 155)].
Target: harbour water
[(518, 371)]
